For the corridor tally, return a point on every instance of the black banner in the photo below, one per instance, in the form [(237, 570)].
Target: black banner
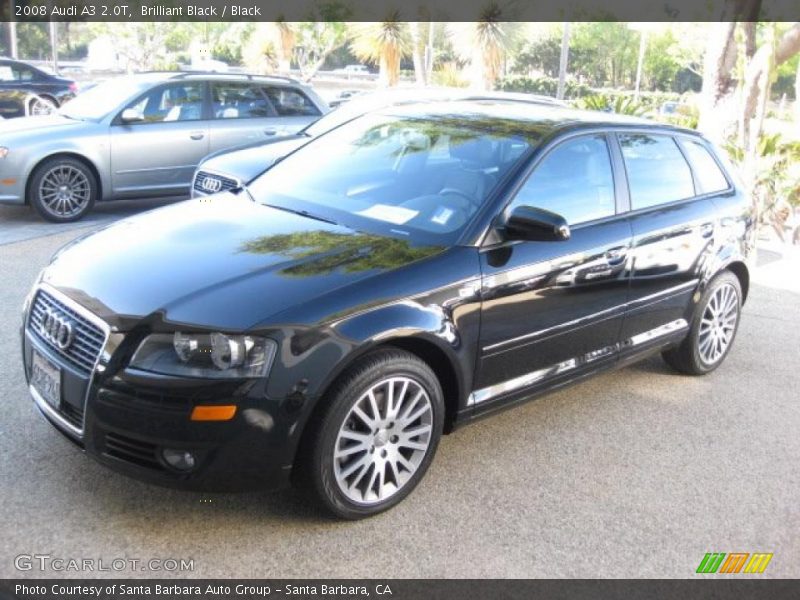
[(396, 589), (402, 10)]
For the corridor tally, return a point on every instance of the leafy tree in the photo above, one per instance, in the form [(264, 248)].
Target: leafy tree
[(605, 53), (314, 42)]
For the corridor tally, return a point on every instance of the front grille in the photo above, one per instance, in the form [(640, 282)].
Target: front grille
[(72, 414), (132, 451), (88, 339), (202, 183)]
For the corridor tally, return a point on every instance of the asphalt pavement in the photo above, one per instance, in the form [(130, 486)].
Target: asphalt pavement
[(635, 473)]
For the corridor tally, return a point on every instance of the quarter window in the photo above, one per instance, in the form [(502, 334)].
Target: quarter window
[(709, 176), (657, 171), (291, 103), (173, 102), (574, 180), (239, 101)]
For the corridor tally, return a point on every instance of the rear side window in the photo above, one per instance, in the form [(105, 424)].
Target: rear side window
[(290, 102), (709, 176), (574, 180), (657, 171)]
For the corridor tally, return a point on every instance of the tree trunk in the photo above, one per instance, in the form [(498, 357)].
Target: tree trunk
[(420, 71), (562, 63), (797, 97), (429, 53), (718, 83), (757, 79), (54, 44), (12, 38)]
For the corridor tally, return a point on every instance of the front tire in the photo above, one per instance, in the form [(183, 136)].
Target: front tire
[(713, 328), (62, 190), (378, 435)]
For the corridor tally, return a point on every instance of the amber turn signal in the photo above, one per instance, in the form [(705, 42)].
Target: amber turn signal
[(224, 412)]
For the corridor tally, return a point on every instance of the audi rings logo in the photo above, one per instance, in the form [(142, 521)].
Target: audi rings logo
[(211, 185), (57, 329)]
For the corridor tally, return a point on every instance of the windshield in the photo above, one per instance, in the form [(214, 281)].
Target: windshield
[(95, 103), (422, 178)]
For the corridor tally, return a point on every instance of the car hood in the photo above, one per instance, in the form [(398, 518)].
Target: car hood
[(247, 162), (223, 262), (18, 127)]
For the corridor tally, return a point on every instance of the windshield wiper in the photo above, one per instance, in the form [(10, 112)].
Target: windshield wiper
[(302, 213)]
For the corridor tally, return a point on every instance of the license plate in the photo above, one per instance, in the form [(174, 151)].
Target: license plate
[(46, 379)]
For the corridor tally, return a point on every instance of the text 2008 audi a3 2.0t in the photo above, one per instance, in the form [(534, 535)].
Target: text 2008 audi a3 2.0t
[(401, 275)]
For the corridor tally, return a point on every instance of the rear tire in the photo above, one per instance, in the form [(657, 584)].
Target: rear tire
[(62, 190), (377, 437), (713, 328), (42, 105)]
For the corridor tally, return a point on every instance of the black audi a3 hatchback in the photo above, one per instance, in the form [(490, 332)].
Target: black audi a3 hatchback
[(400, 276)]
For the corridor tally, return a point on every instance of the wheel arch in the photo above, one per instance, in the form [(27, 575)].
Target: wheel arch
[(739, 268), (65, 154), (442, 365)]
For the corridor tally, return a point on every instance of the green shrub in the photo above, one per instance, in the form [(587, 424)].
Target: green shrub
[(546, 86)]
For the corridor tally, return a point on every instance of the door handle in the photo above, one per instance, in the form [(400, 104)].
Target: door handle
[(707, 230), (270, 131), (615, 256), (197, 135)]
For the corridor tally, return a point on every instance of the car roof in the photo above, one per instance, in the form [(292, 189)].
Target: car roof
[(539, 119), (169, 75)]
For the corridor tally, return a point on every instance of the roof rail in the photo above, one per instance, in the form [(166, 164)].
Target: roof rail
[(251, 76)]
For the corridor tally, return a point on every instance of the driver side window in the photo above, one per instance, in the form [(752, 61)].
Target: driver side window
[(573, 180), (172, 102)]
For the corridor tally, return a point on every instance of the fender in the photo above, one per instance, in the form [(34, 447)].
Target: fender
[(96, 156)]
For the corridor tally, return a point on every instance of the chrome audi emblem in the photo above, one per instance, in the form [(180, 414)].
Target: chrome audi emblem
[(211, 185), (57, 329)]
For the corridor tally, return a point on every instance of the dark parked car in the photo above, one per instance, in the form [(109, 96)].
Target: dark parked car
[(404, 274), (19, 103), (16, 75)]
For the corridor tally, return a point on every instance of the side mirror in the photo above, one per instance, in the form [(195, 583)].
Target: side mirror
[(131, 115), (536, 224)]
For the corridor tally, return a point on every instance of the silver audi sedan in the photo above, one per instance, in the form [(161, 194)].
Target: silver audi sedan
[(142, 136)]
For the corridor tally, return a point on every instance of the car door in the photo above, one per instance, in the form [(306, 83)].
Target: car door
[(241, 114), (158, 153), (294, 108), (673, 232), (553, 309)]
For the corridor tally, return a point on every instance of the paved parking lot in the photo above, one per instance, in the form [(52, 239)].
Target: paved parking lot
[(639, 472)]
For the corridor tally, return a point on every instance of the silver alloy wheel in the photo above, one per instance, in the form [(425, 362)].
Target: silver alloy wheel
[(718, 324), (64, 191), (41, 106), (383, 440)]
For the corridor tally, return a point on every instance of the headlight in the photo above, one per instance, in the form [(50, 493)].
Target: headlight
[(3, 151), (213, 355)]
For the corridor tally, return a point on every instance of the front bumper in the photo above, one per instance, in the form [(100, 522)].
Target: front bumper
[(124, 419)]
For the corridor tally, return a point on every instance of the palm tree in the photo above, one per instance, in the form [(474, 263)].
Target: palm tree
[(385, 42), (484, 43)]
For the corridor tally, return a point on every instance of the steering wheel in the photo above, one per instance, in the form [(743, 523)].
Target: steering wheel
[(456, 192)]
